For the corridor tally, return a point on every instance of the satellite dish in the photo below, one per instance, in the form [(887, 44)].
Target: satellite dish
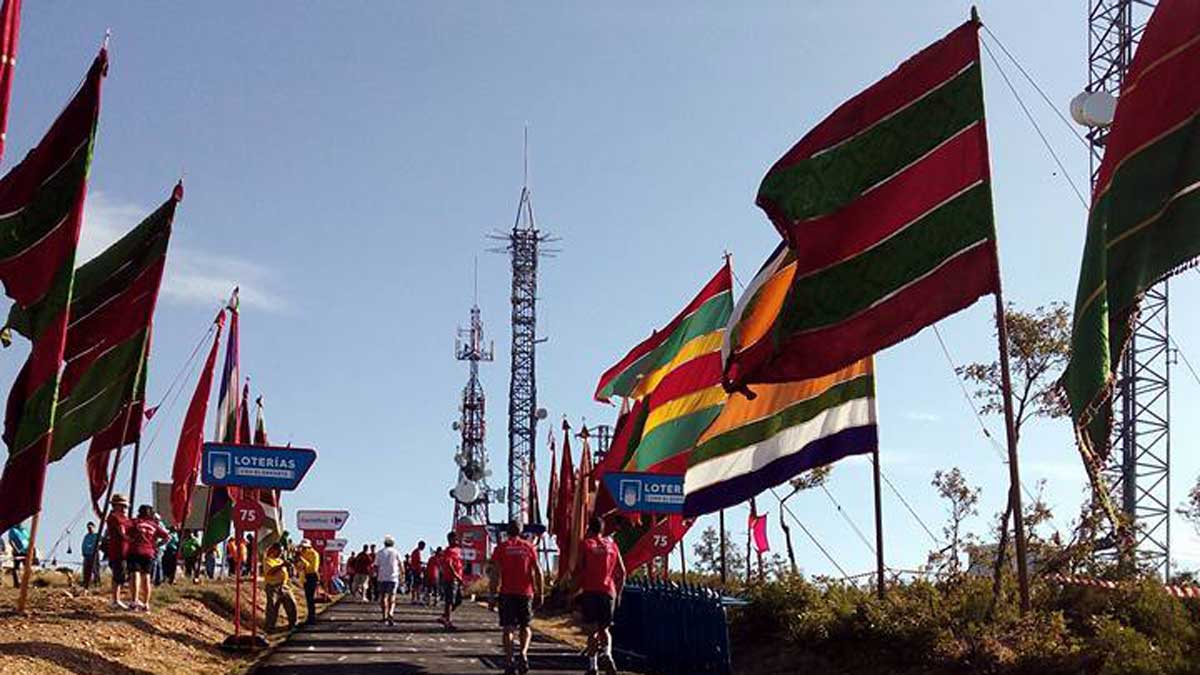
[(465, 492), (1094, 109), (540, 414)]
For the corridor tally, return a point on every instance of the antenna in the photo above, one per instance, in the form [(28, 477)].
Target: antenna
[(525, 160)]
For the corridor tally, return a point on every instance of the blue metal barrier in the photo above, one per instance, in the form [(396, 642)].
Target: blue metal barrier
[(671, 629)]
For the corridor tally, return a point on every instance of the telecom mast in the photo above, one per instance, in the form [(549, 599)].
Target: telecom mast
[(471, 494), (1138, 467), (524, 246)]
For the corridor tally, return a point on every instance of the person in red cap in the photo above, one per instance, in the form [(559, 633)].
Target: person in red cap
[(601, 579), (515, 573)]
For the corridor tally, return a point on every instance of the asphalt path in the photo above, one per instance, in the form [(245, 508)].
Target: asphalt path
[(349, 638)]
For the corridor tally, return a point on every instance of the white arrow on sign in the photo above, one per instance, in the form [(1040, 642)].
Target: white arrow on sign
[(311, 519)]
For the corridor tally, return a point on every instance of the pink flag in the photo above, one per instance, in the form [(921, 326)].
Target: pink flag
[(758, 532)]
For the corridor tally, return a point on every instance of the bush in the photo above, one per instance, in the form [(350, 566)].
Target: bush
[(950, 627)]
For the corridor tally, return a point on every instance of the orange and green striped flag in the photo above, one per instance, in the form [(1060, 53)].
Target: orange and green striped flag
[(1144, 223), (677, 370)]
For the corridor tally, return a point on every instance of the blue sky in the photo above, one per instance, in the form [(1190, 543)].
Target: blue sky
[(344, 162)]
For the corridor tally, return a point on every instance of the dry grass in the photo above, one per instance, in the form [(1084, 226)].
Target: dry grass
[(68, 630)]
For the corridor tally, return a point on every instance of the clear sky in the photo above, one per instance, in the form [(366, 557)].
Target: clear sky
[(344, 161)]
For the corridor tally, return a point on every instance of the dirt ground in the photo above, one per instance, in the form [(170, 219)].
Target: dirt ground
[(68, 631)]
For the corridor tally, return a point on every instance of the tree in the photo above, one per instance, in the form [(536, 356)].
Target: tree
[(1191, 508), (707, 553), (805, 481), (1039, 348), (963, 502)]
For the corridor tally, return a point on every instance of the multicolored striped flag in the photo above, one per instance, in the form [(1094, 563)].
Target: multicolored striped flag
[(218, 522), (1144, 223), (787, 428), (269, 500), (185, 470), (10, 29), (886, 206), (678, 371), (41, 210)]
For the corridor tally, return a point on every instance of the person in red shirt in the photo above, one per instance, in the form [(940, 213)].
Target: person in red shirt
[(515, 574), (601, 580), (451, 573), (432, 571), (144, 534), (116, 528), (414, 572)]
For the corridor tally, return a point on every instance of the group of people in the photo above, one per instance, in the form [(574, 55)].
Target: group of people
[(379, 575), (516, 583)]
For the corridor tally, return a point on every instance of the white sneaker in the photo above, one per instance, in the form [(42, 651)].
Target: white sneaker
[(119, 605)]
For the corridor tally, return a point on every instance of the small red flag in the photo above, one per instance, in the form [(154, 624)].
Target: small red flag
[(191, 437)]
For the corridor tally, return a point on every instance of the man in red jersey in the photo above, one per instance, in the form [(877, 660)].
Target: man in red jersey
[(414, 569), (514, 572), (601, 579), (451, 573)]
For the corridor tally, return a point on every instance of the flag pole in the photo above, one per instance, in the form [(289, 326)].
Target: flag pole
[(28, 569), (724, 569), (878, 524), (1014, 469)]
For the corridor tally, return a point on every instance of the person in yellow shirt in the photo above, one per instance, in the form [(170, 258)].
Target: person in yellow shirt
[(310, 565), (279, 592)]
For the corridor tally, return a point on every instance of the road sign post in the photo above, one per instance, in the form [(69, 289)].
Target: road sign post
[(252, 467), (645, 492)]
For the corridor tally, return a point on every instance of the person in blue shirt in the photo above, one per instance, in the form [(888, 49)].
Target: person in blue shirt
[(18, 546), (88, 549)]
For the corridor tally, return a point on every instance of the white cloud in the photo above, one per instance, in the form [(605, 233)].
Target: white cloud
[(193, 277)]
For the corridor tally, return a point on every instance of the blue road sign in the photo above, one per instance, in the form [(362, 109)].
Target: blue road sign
[(255, 466), (646, 492)]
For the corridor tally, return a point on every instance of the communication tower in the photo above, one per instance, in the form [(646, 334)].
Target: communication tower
[(471, 494)]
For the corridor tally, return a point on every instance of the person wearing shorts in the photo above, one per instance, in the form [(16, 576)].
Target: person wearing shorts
[(432, 587), (601, 579), (414, 571), (387, 578), (451, 572), (144, 535), (116, 535), (516, 579)]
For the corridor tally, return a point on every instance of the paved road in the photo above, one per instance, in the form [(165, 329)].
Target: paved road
[(349, 638)]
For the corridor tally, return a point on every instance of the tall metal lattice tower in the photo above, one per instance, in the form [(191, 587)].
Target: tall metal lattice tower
[(524, 245), (1139, 465), (471, 495)]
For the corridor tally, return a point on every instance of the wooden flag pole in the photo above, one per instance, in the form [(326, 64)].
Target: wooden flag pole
[(133, 476), (724, 569), (878, 524), (28, 569), (1014, 469)]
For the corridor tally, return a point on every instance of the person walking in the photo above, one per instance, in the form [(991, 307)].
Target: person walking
[(279, 592), (144, 534), (433, 572), (310, 566), (170, 557), (372, 581), (189, 550), (415, 569), (451, 571), (117, 548), (514, 574), (601, 580), (210, 562), (359, 568), (88, 549), (387, 577)]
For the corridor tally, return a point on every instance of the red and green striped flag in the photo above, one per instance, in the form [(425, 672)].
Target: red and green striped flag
[(103, 381), (41, 209), (10, 30), (678, 371), (1144, 223), (887, 208)]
